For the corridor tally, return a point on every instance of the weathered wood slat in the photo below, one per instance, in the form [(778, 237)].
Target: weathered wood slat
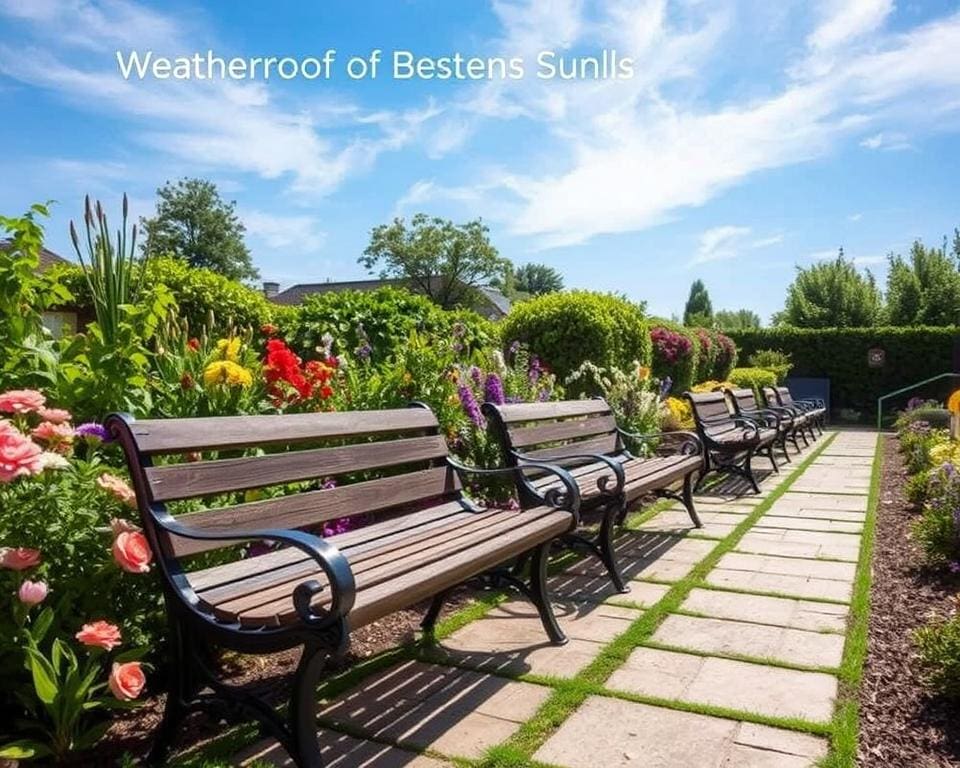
[(184, 481), (600, 445), (569, 429), (157, 436), (518, 412), (316, 507)]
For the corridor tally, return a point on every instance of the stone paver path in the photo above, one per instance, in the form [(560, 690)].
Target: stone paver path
[(739, 667)]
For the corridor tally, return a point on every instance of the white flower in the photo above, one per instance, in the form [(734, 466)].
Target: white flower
[(51, 460)]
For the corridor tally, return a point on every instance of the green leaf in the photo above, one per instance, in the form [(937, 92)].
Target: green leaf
[(42, 624), (23, 749), (44, 677)]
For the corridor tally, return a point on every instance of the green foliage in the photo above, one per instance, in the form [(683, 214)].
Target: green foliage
[(924, 290), (912, 354), (566, 329), (938, 644), (537, 279), (444, 261), (709, 352), (630, 394), (727, 356), (194, 224), (699, 309), (773, 360), (676, 354), (832, 294), (736, 320), (936, 529), (938, 418), (384, 319), (754, 378)]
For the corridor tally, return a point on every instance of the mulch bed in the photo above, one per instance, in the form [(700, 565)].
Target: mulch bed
[(901, 722), (269, 674)]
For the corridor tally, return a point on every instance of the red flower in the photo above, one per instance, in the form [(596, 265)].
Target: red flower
[(268, 329), (193, 345), (186, 382)]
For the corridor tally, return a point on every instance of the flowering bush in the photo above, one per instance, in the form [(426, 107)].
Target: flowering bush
[(939, 646), (709, 349), (675, 414), (675, 354), (726, 359), (937, 530)]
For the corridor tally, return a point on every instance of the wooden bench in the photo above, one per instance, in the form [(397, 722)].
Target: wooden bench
[(583, 436), (423, 539), (787, 423), (813, 408), (729, 441)]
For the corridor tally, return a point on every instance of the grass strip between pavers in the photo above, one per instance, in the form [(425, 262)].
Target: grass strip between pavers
[(846, 719), (519, 749)]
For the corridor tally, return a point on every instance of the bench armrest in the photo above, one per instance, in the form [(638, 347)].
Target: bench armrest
[(689, 443), (333, 563), (764, 416), (603, 483), (567, 499)]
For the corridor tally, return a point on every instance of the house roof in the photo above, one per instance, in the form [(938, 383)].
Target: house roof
[(47, 258)]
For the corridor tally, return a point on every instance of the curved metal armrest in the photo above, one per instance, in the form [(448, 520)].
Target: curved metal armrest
[(328, 557), (602, 482), (567, 499), (764, 413), (687, 439)]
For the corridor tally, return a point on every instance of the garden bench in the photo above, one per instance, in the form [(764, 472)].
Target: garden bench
[(584, 437), (787, 423), (813, 408), (729, 441), (424, 538)]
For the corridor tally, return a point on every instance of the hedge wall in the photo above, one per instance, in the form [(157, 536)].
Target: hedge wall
[(840, 354)]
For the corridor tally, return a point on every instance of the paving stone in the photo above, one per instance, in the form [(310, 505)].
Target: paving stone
[(453, 711), (727, 683), (623, 734), (763, 544), (510, 638), (574, 586), (829, 460), (850, 502), (340, 751), (815, 485), (658, 569), (808, 524), (791, 566), (761, 641), (794, 510), (715, 524), (646, 544), (792, 586), (780, 611)]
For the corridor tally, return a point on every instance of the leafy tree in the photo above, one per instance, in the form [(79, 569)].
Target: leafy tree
[(195, 224), (699, 310), (736, 320), (832, 294), (537, 279), (444, 261), (924, 290)]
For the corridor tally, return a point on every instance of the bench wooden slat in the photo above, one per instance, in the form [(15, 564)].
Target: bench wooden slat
[(708, 405), (184, 481), (569, 429), (316, 507), (158, 436), (599, 445), (517, 412)]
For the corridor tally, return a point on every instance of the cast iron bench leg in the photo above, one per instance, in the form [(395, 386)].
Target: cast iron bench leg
[(541, 595)]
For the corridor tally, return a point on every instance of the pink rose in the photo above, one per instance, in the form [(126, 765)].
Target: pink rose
[(119, 525), (118, 488), (19, 558), (32, 592), (18, 456), (132, 552), (100, 634), (55, 415), (21, 401), (127, 680), (59, 437)]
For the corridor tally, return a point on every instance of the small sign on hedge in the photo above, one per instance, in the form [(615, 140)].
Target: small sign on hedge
[(876, 357)]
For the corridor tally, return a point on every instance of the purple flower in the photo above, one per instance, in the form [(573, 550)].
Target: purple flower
[(665, 385), (534, 372), (93, 432), (493, 390), (364, 350), (470, 406), (514, 347), (476, 374)]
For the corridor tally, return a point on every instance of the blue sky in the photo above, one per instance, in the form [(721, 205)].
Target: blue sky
[(752, 137)]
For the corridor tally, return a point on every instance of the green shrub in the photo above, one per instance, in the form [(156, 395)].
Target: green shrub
[(916, 487), (676, 352), (382, 321), (912, 354), (567, 329), (937, 418), (936, 528), (754, 378), (939, 646), (773, 360)]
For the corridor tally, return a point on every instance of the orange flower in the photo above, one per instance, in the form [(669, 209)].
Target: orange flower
[(132, 552), (127, 680), (118, 488), (953, 404), (19, 558), (100, 634)]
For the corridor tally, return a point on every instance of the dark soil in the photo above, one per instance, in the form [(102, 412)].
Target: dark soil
[(267, 675), (901, 722)]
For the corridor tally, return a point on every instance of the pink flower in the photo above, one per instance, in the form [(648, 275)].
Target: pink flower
[(19, 558), (55, 415), (127, 680), (6, 428), (18, 456), (119, 525), (58, 436), (118, 488), (100, 634), (132, 552), (21, 401), (32, 592)]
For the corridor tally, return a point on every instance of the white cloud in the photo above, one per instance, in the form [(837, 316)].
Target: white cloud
[(719, 243), (824, 255), (887, 141), (855, 217), (846, 20), (766, 242), (299, 235)]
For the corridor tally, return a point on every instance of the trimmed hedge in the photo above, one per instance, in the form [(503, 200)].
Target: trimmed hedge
[(676, 353), (840, 354), (754, 378), (568, 328)]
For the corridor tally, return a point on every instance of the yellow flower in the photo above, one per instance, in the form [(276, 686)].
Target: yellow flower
[(953, 404), (407, 377), (227, 372), (229, 349), (643, 372)]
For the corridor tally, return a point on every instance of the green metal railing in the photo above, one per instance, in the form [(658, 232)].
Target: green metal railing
[(907, 389)]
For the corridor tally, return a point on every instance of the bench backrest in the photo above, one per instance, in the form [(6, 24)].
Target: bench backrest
[(708, 405), (743, 399), (341, 464), (547, 431), (784, 396), (770, 397)]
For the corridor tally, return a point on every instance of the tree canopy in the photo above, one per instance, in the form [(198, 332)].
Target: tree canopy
[(537, 279), (832, 294), (699, 309), (736, 320), (447, 262), (195, 224), (925, 288)]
